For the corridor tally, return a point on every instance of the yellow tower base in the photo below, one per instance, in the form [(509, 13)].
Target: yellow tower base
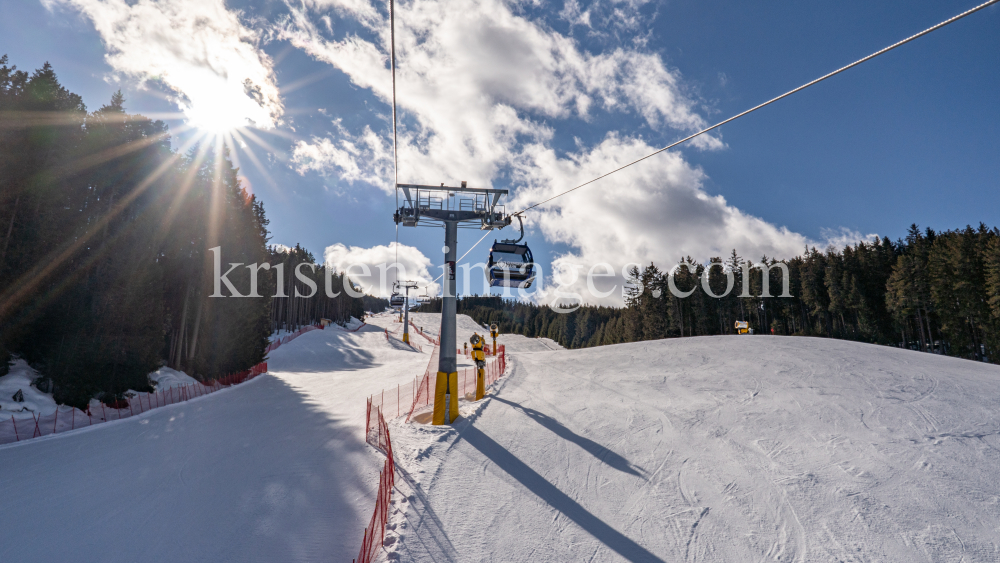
[(441, 391)]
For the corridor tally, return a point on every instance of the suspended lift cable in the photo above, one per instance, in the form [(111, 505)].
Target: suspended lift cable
[(468, 251), (395, 150), (771, 101), (392, 66)]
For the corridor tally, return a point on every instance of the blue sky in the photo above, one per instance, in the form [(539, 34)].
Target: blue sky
[(534, 96)]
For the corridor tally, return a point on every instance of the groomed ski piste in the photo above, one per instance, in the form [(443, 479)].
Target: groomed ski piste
[(726, 448)]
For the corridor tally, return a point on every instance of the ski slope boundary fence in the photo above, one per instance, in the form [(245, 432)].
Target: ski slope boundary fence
[(423, 394), (377, 430), (65, 419), (355, 329), (285, 340), (431, 339), (378, 437), (411, 344), (405, 399)]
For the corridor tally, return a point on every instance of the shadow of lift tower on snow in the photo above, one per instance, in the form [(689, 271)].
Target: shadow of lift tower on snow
[(593, 448), (534, 482)]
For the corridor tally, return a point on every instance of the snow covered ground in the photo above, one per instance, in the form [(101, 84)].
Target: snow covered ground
[(275, 469), (37, 403), (465, 326), (703, 449), (166, 378), (711, 449), (19, 379)]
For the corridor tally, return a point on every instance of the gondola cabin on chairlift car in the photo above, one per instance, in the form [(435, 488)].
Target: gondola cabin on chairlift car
[(511, 265), (396, 300)]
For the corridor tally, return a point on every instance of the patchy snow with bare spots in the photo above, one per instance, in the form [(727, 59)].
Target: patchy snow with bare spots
[(721, 449)]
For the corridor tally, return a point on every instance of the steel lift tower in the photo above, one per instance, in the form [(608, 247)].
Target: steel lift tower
[(407, 286), (454, 207)]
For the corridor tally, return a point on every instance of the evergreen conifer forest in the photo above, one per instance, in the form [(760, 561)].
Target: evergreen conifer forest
[(934, 291), (105, 268)]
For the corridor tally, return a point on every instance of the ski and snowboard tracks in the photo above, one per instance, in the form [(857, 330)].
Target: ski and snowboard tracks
[(725, 449), (695, 449)]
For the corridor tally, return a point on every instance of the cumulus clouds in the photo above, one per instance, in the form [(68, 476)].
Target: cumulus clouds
[(839, 238), (375, 269), (365, 157), (478, 80), (210, 60), (657, 211), (482, 88), (604, 18), (657, 207)]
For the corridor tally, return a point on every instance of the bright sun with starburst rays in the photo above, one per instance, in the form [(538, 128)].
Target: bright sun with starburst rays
[(225, 112), (218, 106), (216, 119)]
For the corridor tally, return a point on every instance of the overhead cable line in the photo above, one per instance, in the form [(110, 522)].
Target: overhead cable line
[(392, 66), (395, 150), (771, 101), (464, 255)]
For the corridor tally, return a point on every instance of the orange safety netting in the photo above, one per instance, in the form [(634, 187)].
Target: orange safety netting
[(406, 398), (424, 395), (64, 419), (411, 344), (378, 436), (431, 339), (285, 340)]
